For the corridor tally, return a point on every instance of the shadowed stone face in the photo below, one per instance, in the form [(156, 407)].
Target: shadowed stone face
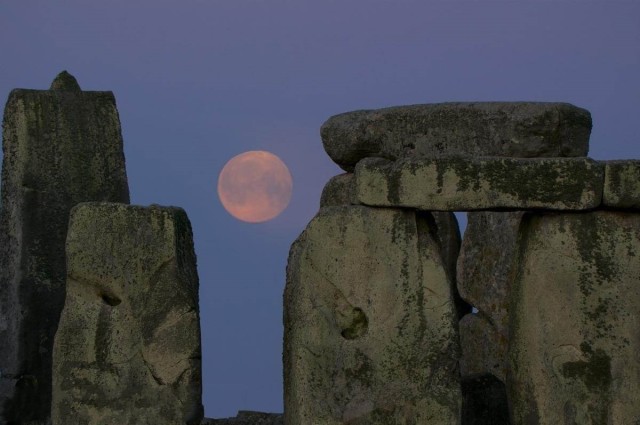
[(61, 147), (370, 325), (512, 129), (574, 320), (127, 349)]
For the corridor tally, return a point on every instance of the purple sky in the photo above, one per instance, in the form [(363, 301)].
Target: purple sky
[(197, 82)]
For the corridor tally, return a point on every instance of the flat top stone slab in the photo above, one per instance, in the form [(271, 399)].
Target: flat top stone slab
[(513, 129), (467, 184)]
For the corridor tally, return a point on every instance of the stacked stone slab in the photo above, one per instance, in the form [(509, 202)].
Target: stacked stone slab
[(469, 157), (61, 146), (127, 349), (549, 256)]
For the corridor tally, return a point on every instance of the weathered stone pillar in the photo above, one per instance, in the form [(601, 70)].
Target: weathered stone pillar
[(61, 146), (485, 273), (370, 324), (575, 309), (127, 350)]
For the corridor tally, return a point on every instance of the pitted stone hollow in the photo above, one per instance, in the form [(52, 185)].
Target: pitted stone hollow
[(65, 82), (509, 129), (358, 326)]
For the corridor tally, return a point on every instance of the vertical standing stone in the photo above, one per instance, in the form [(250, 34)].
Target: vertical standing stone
[(575, 308), (61, 146), (370, 324), (484, 280), (127, 350)]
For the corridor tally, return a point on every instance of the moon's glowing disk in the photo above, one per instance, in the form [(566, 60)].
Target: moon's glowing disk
[(255, 186)]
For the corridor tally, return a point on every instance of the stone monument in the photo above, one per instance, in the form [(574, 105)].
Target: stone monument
[(61, 146), (549, 260)]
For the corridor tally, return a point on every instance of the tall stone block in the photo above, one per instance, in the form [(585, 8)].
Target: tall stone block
[(575, 309), (484, 279), (127, 350), (370, 323), (61, 147)]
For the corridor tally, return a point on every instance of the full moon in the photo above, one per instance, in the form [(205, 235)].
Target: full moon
[(255, 186)]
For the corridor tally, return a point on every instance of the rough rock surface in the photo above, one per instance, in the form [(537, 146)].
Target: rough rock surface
[(61, 147), (574, 315), (370, 326), (622, 184), (484, 348), (248, 418), (464, 184), (339, 190), (512, 129), (127, 350), (484, 274)]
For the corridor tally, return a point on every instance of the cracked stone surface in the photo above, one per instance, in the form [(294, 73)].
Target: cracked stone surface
[(574, 320), (511, 129), (61, 147), (370, 323), (127, 350)]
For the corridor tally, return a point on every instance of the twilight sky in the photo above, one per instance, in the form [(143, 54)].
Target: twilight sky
[(197, 82)]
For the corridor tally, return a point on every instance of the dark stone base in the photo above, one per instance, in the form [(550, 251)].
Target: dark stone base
[(246, 417)]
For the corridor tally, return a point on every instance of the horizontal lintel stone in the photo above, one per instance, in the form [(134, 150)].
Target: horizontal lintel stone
[(487, 183), (506, 129), (622, 184)]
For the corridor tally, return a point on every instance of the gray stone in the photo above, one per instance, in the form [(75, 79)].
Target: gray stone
[(484, 280), (370, 327), (466, 184), (484, 347), (574, 320), (511, 129), (127, 349), (448, 236), (339, 190), (622, 184), (248, 418), (65, 82), (60, 147)]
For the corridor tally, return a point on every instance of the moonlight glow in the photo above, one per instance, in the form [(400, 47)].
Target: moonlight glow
[(255, 186)]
